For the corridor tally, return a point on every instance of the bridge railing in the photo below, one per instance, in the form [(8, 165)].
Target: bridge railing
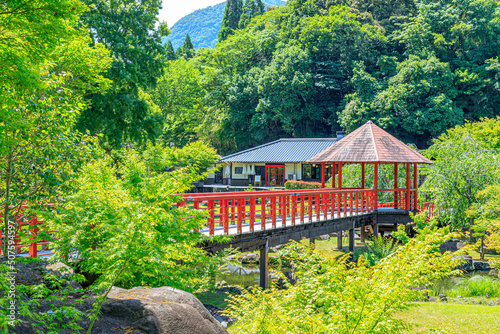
[(243, 212), (399, 198), (25, 235)]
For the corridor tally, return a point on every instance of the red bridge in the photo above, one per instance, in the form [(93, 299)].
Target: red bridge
[(260, 219)]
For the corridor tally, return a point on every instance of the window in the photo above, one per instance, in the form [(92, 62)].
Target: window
[(313, 171), (238, 170)]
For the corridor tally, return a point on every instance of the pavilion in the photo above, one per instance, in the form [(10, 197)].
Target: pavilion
[(369, 144)]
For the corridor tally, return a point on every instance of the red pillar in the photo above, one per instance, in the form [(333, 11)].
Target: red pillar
[(362, 175), (408, 186), (415, 185), (322, 175), (333, 174), (375, 187), (340, 175), (396, 185)]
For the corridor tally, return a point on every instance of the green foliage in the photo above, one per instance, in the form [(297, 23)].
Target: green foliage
[(129, 30), (231, 19), (417, 104), (376, 250), (460, 170), (48, 307), (188, 48), (39, 150), (476, 286), (310, 68), (342, 297), (290, 185), (179, 95), (169, 51), (122, 222), (250, 9)]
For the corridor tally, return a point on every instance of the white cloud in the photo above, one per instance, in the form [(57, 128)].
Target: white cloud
[(174, 10)]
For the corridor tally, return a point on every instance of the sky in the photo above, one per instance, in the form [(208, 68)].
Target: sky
[(174, 10)]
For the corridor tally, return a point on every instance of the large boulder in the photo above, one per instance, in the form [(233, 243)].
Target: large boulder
[(160, 310), (467, 264), (451, 246)]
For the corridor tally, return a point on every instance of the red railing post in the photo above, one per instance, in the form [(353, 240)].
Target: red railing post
[(273, 211), (294, 208), (241, 214), (350, 204), (211, 217), (375, 187), (318, 206), (357, 202), (282, 210), (302, 208), (33, 247), (252, 213), (396, 185), (415, 185), (408, 187), (263, 213)]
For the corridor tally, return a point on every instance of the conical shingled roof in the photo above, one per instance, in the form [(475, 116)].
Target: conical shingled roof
[(369, 143)]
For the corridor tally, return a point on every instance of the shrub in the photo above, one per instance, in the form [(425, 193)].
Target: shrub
[(476, 286), (292, 185), (338, 296)]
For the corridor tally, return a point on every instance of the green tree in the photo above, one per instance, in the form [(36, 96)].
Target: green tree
[(337, 296), (126, 224), (169, 51), (188, 48), (461, 168), (231, 19), (127, 28), (251, 9), (465, 35), (179, 94), (39, 151), (417, 104)]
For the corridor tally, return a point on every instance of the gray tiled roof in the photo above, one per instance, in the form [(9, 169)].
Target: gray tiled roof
[(282, 150)]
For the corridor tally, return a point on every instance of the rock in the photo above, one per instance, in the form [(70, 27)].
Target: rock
[(480, 265), (459, 297), (290, 277), (250, 258), (474, 302), (487, 296), (443, 297), (161, 310), (323, 237), (467, 264), (498, 303), (432, 299), (491, 304), (451, 246), (333, 235), (493, 272)]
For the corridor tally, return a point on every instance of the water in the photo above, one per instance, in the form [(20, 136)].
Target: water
[(244, 275)]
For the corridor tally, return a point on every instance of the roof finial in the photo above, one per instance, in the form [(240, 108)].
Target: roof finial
[(369, 122)]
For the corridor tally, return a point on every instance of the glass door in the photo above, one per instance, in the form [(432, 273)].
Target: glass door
[(275, 175)]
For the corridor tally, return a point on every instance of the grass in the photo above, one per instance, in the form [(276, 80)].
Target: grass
[(212, 298), (451, 318)]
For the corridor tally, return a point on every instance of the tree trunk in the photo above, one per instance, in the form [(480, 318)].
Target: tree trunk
[(6, 208), (482, 250)]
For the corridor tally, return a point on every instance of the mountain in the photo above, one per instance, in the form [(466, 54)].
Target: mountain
[(203, 25)]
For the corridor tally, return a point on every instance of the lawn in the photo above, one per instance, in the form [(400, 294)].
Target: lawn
[(452, 318)]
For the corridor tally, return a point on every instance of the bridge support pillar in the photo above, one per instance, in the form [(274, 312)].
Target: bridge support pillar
[(263, 262), (339, 240), (351, 240), (375, 227)]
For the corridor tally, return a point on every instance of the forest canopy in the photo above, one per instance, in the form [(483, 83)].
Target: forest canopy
[(310, 68)]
